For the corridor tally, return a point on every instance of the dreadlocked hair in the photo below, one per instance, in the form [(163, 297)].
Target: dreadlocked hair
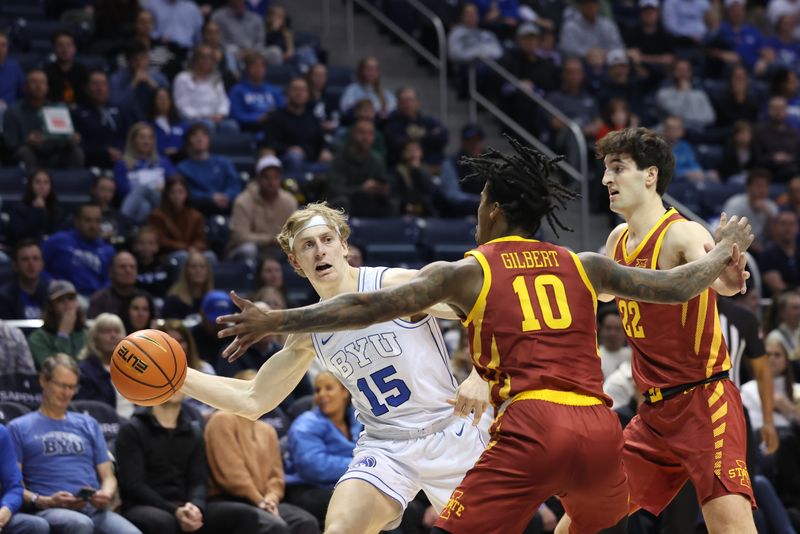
[(521, 184)]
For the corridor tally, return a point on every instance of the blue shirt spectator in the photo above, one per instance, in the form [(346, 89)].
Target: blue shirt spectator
[(178, 21), (745, 40), (508, 8), (11, 491), (253, 99), (134, 85), (685, 160), (12, 78)]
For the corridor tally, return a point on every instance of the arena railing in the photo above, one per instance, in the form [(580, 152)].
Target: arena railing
[(580, 175)]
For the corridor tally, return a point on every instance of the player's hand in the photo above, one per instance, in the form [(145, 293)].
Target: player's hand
[(734, 232), (471, 396), (249, 326), (769, 438), (734, 277)]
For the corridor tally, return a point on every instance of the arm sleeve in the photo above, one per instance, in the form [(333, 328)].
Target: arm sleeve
[(10, 476), (121, 178), (275, 480), (233, 182), (183, 97), (314, 463), (131, 466), (226, 460)]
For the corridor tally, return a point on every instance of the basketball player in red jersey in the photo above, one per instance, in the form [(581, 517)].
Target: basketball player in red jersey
[(691, 425), (529, 307)]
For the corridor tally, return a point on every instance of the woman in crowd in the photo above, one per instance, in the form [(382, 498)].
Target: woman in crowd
[(412, 184), (326, 108), (166, 123), (616, 116), (186, 294), (64, 328), (139, 313), (178, 331), (39, 213), (368, 85), (200, 93)]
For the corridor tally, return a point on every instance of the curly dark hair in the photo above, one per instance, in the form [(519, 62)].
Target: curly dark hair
[(645, 147)]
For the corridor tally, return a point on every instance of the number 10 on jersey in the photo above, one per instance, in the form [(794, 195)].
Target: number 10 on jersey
[(543, 286)]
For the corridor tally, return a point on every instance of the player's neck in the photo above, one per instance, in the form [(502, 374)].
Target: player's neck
[(347, 283), (642, 218)]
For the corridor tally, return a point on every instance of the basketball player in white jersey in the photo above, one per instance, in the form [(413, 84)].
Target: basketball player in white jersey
[(397, 372)]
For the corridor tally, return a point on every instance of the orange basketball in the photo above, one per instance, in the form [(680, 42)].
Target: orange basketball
[(148, 367)]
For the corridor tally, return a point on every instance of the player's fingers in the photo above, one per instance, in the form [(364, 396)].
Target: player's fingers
[(478, 413), (234, 318), (239, 301), (229, 331), (451, 402)]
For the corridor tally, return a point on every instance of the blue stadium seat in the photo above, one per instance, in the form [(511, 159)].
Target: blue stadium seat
[(446, 239), (217, 233), (303, 404), (92, 62), (72, 187), (12, 185), (298, 290), (232, 144), (280, 75), (389, 241), (234, 275), (243, 162), (714, 196), (11, 410), (36, 35), (104, 414), (686, 193), (340, 75), (26, 9), (29, 61), (709, 156)]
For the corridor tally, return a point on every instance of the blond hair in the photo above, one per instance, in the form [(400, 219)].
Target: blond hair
[(130, 152), (104, 321), (335, 218), (182, 288)]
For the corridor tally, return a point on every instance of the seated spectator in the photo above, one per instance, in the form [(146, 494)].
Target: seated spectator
[(611, 341), (39, 214), (64, 325), (776, 145), (259, 213), (163, 476), (80, 255), (649, 42), (114, 226), (272, 297), (169, 128), (253, 99), (281, 46), (358, 181), (12, 79), (102, 126), (502, 17), (456, 197), (255, 356), (685, 20), (213, 181), (295, 133), (141, 173), (622, 389), (224, 60), (682, 100), (186, 294), (164, 56), (15, 358), (589, 35), (412, 185), (134, 85), (61, 452), (756, 205), (95, 361), (181, 334), (626, 79), (122, 273), (783, 82), (736, 104), (742, 42), (242, 30), (214, 304), (737, 156), (686, 164), (368, 85), (785, 319), (177, 21), (11, 491), (364, 110), (200, 94), (23, 130), (139, 312), (66, 77), (408, 123), (180, 227), (326, 108), (152, 277), (780, 265), (791, 200), (467, 41), (780, 49), (320, 446), (245, 464), (25, 296), (270, 274), (616, 116)]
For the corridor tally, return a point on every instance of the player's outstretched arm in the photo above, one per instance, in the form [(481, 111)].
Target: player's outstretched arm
[(673, 286)]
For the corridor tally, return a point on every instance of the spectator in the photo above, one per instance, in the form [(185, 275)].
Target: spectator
[(215, 304), (270, 274), (66, 78), (780, 49), (255, 356), (589, 35), (224, 60), (111, 299), (141, 173), (408, 123), (181, 334), (114, 226), (756, 205), (200, 94), (467, 41), (79, 255), (295, 133), (102, 127), (456, 197), (626, 82), (245, 464), (320, 446), (502, 17), (39, 214), (259, 212), (784, 83), (780, 265), (648, 42), (165, 121), (354, 256), (114, 22), (186, 294), (242, 30), (792, 198), (412, 185), (326, 108), (611, 341), (163, 476), (180, 227), (680, 99), (737, 156), (15, 358), (134, 85), (253, 99), (741, 41), (24, 131), (272, 297), (178, 21), (358, 180), (786, 319), (12, 79), (139, 312), (63, 329), (616, 116), (25, 296), (364, 110), (685, 20), (61, 452), (775, 144), (213, 181), (95, 361), (778, 9), (686, 164), (281, 46), (163, 55), (368, 85), (152, 276), (736, 104), (11, 491)]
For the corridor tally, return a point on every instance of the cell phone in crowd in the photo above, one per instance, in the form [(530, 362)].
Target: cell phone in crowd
[(85, 493)]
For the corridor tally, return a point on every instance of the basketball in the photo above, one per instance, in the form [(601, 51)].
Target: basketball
[(148, 367)]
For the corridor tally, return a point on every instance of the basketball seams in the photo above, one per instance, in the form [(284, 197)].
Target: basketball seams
[(145, 353)]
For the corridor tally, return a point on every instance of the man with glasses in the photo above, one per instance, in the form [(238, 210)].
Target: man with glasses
[(68, 476)]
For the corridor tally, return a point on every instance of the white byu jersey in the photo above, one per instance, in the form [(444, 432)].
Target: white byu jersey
[(397, 372)]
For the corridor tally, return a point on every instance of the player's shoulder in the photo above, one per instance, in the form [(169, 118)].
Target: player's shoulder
[(685, 233), (614, 236)]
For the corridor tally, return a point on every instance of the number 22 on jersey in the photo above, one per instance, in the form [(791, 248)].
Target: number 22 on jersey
[(630, 315), (543, 286)]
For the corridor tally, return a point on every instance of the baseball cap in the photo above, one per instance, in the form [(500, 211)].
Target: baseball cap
[(60, 288), (616, 57), (215, 304), (266, 162), (471, 130), (648, 3), (528, 28)]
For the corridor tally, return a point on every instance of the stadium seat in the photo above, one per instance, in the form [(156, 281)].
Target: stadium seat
[(35, 35), (217, 233), (303, 404), (714, 196), (686, 193), (231, 144), (709, 156), (243, 162), (12, 185), (446, 239), (25, 9), (11, 410), (389, 241), (298, 290), (280, 75), (340, 75), (234, 275), (29, 61), (92, 62), (104, 414)]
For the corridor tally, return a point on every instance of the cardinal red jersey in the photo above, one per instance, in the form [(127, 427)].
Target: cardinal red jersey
[(533, 324), (672, 344)]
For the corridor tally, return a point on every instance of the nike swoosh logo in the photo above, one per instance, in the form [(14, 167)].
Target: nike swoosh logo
[(461, 430), (325, 340)]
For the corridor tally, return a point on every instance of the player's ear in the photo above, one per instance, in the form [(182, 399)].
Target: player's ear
[(293, 261), (652, 176)]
